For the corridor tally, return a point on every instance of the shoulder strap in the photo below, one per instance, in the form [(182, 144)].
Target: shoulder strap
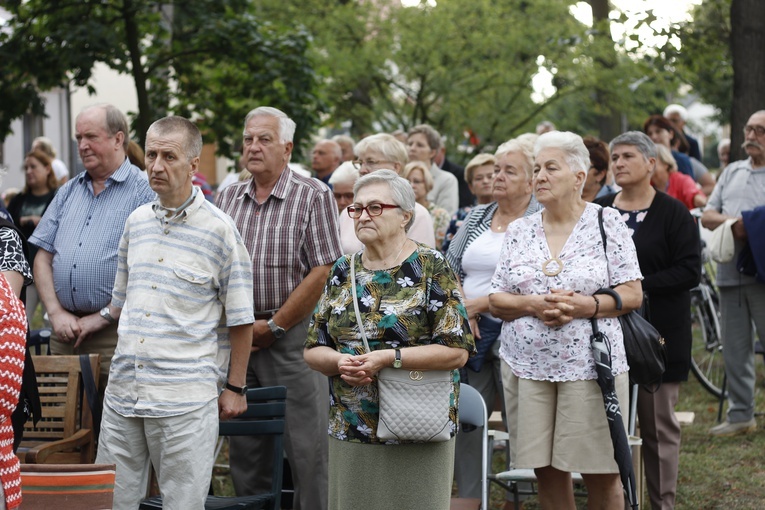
[(89, 383), (602, 230), (356, 303)]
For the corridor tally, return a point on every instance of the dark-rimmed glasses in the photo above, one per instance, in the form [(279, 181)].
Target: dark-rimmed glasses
[(355, 211), (758, 130)]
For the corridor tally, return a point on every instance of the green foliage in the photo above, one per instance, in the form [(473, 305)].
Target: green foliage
[(207, 59), (704, 59)]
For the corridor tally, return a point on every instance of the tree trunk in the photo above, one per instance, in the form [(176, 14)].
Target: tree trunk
[(143, 118), (609, 122), (747, 40)]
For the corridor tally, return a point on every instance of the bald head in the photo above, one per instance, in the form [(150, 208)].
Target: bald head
[(325, 157)]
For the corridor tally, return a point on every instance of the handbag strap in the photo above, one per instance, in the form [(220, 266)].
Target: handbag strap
[(356, 303)]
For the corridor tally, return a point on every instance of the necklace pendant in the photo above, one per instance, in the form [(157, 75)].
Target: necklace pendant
[(554, 270)]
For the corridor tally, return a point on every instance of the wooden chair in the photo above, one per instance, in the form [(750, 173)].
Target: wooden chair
[(64, 435), (67, 486)]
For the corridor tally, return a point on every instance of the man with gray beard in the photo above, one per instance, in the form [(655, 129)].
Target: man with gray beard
[(741, 188)]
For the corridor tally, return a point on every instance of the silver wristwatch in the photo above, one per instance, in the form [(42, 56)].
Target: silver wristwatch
[(277, 331), (106, 315)]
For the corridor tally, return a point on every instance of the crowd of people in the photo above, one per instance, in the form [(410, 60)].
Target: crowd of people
[(491, 272)]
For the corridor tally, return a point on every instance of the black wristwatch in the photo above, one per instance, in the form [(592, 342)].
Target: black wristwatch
[(397, 363), (236, 389), (277, 331)]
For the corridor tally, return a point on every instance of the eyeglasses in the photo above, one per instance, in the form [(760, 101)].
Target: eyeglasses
[(341, 196), (758, 130), (355, 211), (358, 163)]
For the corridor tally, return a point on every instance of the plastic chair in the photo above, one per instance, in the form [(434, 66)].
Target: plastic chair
[(264, 416), (472, 411)]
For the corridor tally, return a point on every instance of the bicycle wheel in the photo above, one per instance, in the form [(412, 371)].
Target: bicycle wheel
[(706, 351)]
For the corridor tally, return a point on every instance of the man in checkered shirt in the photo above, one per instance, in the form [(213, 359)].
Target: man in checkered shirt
[(289, 226)]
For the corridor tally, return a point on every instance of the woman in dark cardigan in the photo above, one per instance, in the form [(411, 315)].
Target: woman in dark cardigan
[(667, 241)]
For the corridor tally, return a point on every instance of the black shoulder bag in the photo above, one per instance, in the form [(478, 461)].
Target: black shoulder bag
[(644, 345)]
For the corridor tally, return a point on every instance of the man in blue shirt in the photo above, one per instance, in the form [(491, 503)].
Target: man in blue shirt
[(79, 234)]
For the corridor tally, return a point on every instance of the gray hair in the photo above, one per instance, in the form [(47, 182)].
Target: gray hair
[(676, 108), (431, 135), (401, 190), (664, 155), (575, 153), (286, 125), (387, 145), (346, 172), (639, 140), (523, 146), (192, 138), (116, 121)]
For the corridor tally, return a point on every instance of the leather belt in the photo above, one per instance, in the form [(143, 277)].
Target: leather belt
[(265, 315)]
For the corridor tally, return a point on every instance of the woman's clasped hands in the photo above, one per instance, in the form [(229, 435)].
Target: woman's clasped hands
[(360, 370), (562, 306)]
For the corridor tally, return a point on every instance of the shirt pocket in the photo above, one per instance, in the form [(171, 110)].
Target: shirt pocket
[(192, 288)]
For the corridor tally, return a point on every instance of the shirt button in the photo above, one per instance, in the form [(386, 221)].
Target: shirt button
[(167, 231), (74, 289), (148, 314), (161, 259), (154, 287), (140, 366), (75, 266), (142, 340)]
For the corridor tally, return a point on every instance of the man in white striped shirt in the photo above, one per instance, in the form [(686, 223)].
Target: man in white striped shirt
[(182, 271)]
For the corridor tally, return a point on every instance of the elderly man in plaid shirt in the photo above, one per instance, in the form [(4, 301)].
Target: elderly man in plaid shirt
[(289, 225)]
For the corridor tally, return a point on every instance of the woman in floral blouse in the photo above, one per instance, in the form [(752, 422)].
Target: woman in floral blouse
[(551, 264), (412, 310)]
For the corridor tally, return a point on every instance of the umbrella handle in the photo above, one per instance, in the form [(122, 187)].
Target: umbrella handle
[(613, 294)]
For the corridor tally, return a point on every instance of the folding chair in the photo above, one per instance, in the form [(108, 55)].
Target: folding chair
[(264, 416), (472, 411), (510, 479)]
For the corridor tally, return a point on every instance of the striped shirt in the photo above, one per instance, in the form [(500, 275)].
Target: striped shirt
[(82, 231), (178, 279), (476, 223), (289, 234)]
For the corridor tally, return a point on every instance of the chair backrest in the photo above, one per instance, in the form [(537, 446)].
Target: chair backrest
[(67, 486), (264, 416), (64, 410), (472, 411)]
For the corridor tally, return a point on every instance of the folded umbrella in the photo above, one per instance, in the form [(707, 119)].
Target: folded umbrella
[(601, 351)]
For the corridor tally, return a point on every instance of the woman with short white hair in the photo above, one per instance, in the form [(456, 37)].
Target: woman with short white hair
[(342, 181), (550, 266)]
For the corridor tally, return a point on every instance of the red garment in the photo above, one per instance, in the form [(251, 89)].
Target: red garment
[(13, 333), (683, 188)]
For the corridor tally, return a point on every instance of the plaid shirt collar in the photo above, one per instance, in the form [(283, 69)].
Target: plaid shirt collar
[(281, 188)]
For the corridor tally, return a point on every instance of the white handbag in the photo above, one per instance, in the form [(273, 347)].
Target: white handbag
[(413, 404), (721, 245)]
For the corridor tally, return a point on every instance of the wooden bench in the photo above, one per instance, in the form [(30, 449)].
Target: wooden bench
[(64, 434)]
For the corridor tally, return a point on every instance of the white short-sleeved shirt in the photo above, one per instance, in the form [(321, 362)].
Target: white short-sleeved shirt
[(479, 263), (535, 351), (179, 283)]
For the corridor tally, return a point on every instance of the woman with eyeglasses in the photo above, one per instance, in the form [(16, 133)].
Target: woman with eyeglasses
[(414, 318), (378, 152), (418, 175), (479, 175)]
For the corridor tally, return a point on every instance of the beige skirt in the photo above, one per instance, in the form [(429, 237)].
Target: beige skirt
[(561, 424), (383, 477)]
